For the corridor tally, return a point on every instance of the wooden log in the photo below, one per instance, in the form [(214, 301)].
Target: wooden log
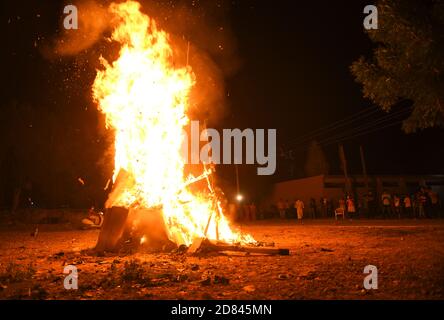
[(196, 245), (115, 216), (112, 229), (149, 224), (271, 251), (208, 246), (124, 181)]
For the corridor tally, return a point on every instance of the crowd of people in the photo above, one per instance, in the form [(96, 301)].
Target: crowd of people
[(425, 203), (245, 212)]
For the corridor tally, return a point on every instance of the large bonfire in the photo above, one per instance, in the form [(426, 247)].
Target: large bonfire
[(145, 98)]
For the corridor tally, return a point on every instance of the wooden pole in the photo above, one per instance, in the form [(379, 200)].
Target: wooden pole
[(237, 179), (112, 229), (344, 167), (364, 168), (207, 245)]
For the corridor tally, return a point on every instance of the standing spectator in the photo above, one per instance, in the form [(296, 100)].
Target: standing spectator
[(351, 208), (287, 209), (342, 204), (428, 203), (415, 203), (422, 202), (397, 205), (386, 199), (371, 204), (253, 212), (365, 206), (247, 214), (281, 208), (434, 203), (324, 207), (299, 205), (293, 214), (408, 206), (313, 208), (331, 208), (232, 210)]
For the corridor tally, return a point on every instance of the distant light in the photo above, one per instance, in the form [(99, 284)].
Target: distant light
[(239, 197)]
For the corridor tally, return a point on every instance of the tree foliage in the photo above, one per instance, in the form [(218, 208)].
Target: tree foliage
[(408, 61)]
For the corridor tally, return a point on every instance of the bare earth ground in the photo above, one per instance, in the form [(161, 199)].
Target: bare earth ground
[(326, 262)]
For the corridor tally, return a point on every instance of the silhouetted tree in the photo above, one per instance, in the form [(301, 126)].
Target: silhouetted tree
[(408, 62)]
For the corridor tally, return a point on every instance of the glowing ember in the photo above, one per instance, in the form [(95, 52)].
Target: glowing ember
[(145, 98)]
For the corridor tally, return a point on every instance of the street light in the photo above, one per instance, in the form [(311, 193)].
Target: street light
[(239, 197)]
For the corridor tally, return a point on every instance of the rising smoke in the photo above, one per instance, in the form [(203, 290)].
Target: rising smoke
[(200, 34)]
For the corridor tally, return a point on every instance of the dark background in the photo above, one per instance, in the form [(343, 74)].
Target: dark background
[(293, 75)]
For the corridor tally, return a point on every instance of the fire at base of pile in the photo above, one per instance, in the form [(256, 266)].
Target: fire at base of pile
[(134, 227), (138, 226), (125, 229), (144, 229)]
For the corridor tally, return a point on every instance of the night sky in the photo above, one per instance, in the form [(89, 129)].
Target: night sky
[(297, 79), (287, 68)]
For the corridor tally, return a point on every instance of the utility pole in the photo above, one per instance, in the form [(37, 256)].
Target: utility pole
[(237, 180), (344, 167), (364, 168)]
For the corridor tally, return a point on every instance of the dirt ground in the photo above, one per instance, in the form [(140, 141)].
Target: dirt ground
[(326, 261)]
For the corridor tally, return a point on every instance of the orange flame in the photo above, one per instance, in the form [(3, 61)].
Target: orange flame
[(145, 98)]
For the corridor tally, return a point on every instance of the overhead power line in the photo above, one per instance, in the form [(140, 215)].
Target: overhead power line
[(335, 125), (376, 122), (365, 133), (375, 125)]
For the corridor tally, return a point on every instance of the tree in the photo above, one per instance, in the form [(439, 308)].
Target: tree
[(408, 61), (316, 162)]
